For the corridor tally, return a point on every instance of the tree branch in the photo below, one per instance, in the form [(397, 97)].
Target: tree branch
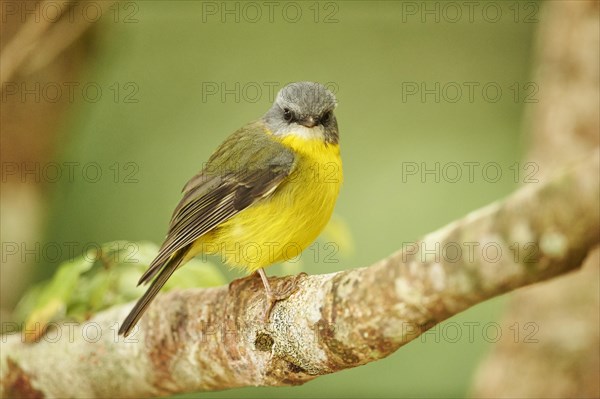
[(211, 339), (39, 41)]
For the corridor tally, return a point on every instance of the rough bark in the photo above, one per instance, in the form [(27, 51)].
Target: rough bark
[(212, 339), (565, 362)]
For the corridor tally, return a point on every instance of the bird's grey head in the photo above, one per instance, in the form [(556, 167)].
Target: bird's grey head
[(304, 109)]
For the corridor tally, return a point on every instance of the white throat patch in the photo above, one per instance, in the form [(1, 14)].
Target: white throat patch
[(316, 132)]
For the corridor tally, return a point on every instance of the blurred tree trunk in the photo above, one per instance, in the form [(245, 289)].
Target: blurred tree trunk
[(43, 48), (562, 358)]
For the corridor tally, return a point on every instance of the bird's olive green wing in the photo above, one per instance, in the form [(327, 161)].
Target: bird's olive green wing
[(248, 166)]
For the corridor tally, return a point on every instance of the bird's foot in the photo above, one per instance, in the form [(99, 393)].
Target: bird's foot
[(289, 287), (242, 280)]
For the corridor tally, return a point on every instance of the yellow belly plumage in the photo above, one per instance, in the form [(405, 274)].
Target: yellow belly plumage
[(279, 227)]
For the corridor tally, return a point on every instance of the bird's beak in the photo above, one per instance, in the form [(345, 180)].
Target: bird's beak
[(308, 122)]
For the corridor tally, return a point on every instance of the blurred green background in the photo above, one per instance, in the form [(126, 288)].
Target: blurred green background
[(156, 124)]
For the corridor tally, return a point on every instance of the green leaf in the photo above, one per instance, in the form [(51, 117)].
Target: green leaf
[(102, 279), (52, 299), (195, 273)]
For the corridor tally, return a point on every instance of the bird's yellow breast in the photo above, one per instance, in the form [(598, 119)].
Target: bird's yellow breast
[(278, 227)]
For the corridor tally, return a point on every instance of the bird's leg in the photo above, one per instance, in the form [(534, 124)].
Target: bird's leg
[(273, 297), (269, 293)]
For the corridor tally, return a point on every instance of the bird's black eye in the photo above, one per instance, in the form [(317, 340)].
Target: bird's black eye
[(287, 115), (326, 117)]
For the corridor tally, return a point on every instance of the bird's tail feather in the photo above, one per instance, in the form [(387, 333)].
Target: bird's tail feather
[(140, 307)]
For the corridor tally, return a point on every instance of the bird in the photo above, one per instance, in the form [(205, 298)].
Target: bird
[(264, 195)]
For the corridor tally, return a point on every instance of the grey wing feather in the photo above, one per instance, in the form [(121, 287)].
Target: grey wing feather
[(210, 200)]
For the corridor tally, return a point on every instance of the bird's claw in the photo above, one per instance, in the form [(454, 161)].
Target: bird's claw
[(289, 287)]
